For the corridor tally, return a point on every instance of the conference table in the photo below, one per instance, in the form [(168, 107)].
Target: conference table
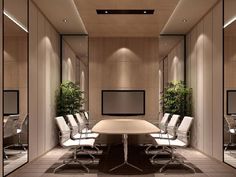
[(125, 127)]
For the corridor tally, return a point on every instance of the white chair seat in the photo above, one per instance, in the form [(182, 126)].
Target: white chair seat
[(160, 135), (87, 135), (232, 131), (85, 130), (81, 142), (166, 142)]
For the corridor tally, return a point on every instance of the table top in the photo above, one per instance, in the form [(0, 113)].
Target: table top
[(124, 126)]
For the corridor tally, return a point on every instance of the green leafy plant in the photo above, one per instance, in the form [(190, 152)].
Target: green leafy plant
[(177, 99), (69, 99)]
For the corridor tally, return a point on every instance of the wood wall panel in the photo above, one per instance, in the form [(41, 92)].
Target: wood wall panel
[(217, 82), (123, 63), (33, 70), (204, 62), (207, 83), (1, 71), (44, 68)]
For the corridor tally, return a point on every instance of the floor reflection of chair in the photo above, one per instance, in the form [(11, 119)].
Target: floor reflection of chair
[(10, 129), (67, 142), (231, 125)]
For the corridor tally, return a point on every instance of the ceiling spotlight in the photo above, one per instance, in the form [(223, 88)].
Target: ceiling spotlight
[(145, 12), (184, 20), (65, 20), (106, 12)]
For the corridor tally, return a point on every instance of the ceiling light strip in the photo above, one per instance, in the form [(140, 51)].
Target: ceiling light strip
[(12, 18), (229, 22)]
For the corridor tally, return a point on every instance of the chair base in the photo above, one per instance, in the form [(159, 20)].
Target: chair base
[(128, 164), (174, 159), (72, 161)]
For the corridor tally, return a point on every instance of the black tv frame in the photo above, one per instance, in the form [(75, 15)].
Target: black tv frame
[(125, 114), (227, 109), (18, 109)]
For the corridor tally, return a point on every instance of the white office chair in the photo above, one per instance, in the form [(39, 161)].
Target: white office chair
[(75, 134), (231, 129), (182, 140), (67, 142), (171, 129), (163, 124), (82, 124), (170, 133)]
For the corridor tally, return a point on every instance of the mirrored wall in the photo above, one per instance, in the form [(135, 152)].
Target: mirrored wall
[(171, 64), (230, 82), (75, 63), (15, 85)]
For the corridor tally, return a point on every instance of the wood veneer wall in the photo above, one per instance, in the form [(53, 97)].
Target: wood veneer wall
[(123, 63), (205, 76)]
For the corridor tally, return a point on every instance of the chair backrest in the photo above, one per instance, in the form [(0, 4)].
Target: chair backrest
[(183, 129), (10, 127), (86, 115), (64, 129), (73, 124), (171, 127), (164, 122), (81, 122), (230, 121)]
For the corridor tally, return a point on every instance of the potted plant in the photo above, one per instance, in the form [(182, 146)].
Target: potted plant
[(177, 99), (69, 99)]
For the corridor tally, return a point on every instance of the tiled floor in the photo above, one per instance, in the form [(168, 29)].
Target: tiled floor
[(210, 168), (230, 157), (16, 159)]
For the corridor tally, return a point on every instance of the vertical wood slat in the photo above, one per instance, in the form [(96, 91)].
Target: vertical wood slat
[(204, 70)]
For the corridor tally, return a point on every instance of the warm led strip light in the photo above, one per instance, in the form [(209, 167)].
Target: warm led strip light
[(229, 22), (15, 21)]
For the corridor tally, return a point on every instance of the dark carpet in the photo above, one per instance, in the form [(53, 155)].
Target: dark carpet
[(113, 156)]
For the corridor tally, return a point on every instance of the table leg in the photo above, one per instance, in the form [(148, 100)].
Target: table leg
[(125, 142)]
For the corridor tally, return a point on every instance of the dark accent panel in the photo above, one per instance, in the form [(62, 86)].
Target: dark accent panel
[(123, 114), (125, 11)]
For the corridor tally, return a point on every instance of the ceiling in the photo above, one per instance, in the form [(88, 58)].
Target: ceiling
[(192, 11), (58, 10), (125, 25), (82, 18), (11, 29)]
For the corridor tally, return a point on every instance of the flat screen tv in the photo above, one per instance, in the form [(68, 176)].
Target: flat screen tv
[(11, 102), (231, 102), (123, 102)]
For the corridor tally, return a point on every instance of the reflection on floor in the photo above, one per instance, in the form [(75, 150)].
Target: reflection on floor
[(16, 158), (209, 167), (230, 157)]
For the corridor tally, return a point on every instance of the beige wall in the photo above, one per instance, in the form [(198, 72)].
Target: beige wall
[(44, 79), (204, 75), (123, 63), (1, 137)]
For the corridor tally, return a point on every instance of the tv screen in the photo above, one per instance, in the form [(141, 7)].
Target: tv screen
[(11, 102), (231, 102), (123, 102)]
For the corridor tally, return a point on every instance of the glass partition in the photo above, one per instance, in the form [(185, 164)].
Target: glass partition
[(75, 63), (171, 64), (230, 82), (15, 85)]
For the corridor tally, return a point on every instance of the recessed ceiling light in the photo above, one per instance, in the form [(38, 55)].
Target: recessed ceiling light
[(65, 20), (185, 20), (125, 11)]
